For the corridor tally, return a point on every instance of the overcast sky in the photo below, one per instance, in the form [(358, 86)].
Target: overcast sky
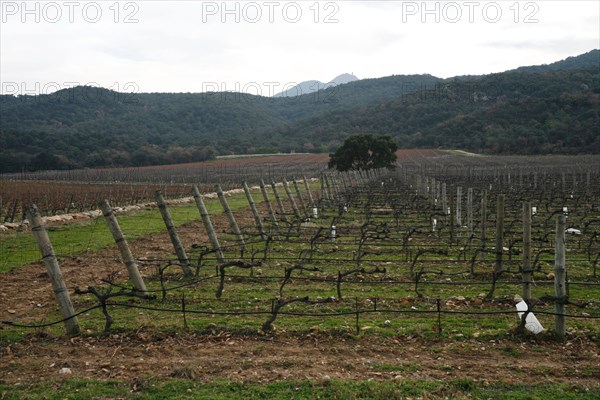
[(262, 46)]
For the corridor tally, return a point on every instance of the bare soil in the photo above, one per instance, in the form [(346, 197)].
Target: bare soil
[(27, 294), (315, 356)]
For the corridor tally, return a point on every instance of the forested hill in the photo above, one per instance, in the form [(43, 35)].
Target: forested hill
[(590, 59), (544, 109)]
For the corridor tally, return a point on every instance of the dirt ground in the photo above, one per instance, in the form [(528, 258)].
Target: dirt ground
[(134, 356), (27, 295)]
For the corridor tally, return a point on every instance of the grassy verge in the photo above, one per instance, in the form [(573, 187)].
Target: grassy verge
[(20, 248), (191, 389)]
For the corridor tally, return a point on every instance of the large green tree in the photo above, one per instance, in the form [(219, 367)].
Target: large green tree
[(362, 152)]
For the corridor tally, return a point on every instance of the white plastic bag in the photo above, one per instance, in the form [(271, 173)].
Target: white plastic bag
[(531, 322)]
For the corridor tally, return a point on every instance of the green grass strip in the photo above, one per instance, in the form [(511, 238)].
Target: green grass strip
[(19, 248), (73, 389)]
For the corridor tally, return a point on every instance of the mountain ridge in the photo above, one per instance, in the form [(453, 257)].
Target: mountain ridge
[(523, 111)]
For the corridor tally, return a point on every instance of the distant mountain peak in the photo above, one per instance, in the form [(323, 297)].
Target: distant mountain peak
[(344, 78), (312, 86)]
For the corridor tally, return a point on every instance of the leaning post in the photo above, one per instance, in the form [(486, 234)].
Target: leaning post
[(300, 199), (279, 202), (175, 240), (61, 294), (288, 192), (328, 190), (232, 223), (272, 216), (130, 263), (210, 230), (311, 200), (257, 219)]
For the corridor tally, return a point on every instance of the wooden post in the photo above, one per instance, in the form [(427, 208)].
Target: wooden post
[(416, 183), (331, 186), (234, 226), (311, 201), (61, 294), (343, 179), (499, 232), (560, 281), (338, 184), (257, 220), (470, 215), (210, 230), (520, 177), (327, 187), (177, 245), (130, 263), (11, 219), (450, 220), (279, 202), (302, 203), (444, 199), (527, 271), (356, 178), (288, 192), (459, 207), (352, 181), (263, 189), (359, 178), (483, 223)]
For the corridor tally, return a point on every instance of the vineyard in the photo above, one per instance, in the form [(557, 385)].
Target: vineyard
[(64, 192), (438, 249)]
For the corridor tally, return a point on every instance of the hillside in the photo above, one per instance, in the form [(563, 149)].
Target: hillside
[(543, 109), (514, 112), (591, 59)]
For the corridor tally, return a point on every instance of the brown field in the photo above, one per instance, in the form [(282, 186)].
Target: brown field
[(58, 192)]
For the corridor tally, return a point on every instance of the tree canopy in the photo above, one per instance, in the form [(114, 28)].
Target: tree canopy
[(361, 152)]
